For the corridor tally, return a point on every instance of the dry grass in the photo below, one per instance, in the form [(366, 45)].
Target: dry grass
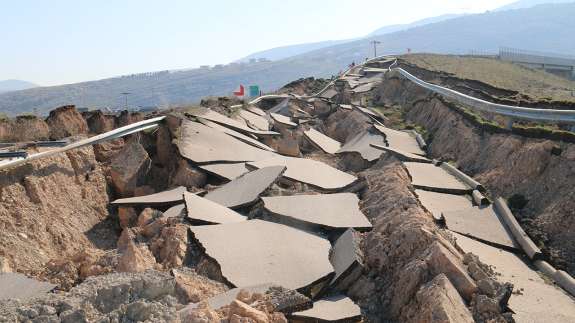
[(536, 84)]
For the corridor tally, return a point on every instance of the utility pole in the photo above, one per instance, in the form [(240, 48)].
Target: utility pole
[(375, 43), (125, 94)]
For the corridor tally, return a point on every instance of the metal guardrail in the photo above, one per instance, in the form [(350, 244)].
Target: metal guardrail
[(114, 134), (529, 114)]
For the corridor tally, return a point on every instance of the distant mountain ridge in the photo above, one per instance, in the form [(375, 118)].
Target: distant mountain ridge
[(15, 85), (524, 4), (541, 28)]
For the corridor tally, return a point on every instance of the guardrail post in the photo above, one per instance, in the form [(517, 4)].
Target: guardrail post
[(508, 123)]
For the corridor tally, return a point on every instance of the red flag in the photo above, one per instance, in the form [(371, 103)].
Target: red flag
[(240, 91)]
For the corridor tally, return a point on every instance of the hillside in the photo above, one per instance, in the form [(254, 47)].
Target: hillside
[(282, 52), (543, 28), (15, 85), (522, 4)]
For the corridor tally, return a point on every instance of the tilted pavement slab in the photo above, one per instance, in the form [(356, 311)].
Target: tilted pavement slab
[(361, 144), (18, 286), (433, 178), (326, 211), (346, 258), (369, 112), (247, 188), (337, 308), (480, 223), (401, 140), (438, 203), (346, 106), (216, 117), (364, 87), (323, 142), (255, 120), (256, 110), (309, 171), (166, 197), (329, 94), (539, 300), (202, 144), (226, 171), (175, 211), (283, 120), (254, 252), (248, 140), (201, 210), (403, 155)]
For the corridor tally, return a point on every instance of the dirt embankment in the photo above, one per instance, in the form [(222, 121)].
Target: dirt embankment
[(52, 208), (413, 270), (24, 128), (537, 175)]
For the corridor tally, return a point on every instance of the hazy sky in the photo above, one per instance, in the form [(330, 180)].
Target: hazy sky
[(53, 42)]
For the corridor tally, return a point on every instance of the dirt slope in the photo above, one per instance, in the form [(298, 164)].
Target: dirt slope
[(542, 171)]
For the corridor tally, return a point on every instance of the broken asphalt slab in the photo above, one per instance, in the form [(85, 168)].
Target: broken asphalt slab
[(361, 144), (255, 120), (323, 142), (309, 171), (247, 188), (228, 122), (325, 211), (347, 260), (438, 203), (400, 140), (337, 308), (482, 224), (433, 178), (172, 196), (403, 155), (538, 300), (202, 144), (254, 252), (204, 211), (283, 120), (226, 171), (247, 139)]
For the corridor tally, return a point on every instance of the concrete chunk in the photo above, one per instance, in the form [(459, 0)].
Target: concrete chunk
[(166, 197), (432, 178), (325, 211), (226, 171), (18, 286), (480, 223), (202, 144), (337, 308), (438, 203), (252, 252), (538, 301), (247, 188), (309, 171), (202, 210), (283, 300), (323, 142)]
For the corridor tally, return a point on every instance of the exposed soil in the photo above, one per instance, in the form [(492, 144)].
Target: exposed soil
[(537, 171)]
